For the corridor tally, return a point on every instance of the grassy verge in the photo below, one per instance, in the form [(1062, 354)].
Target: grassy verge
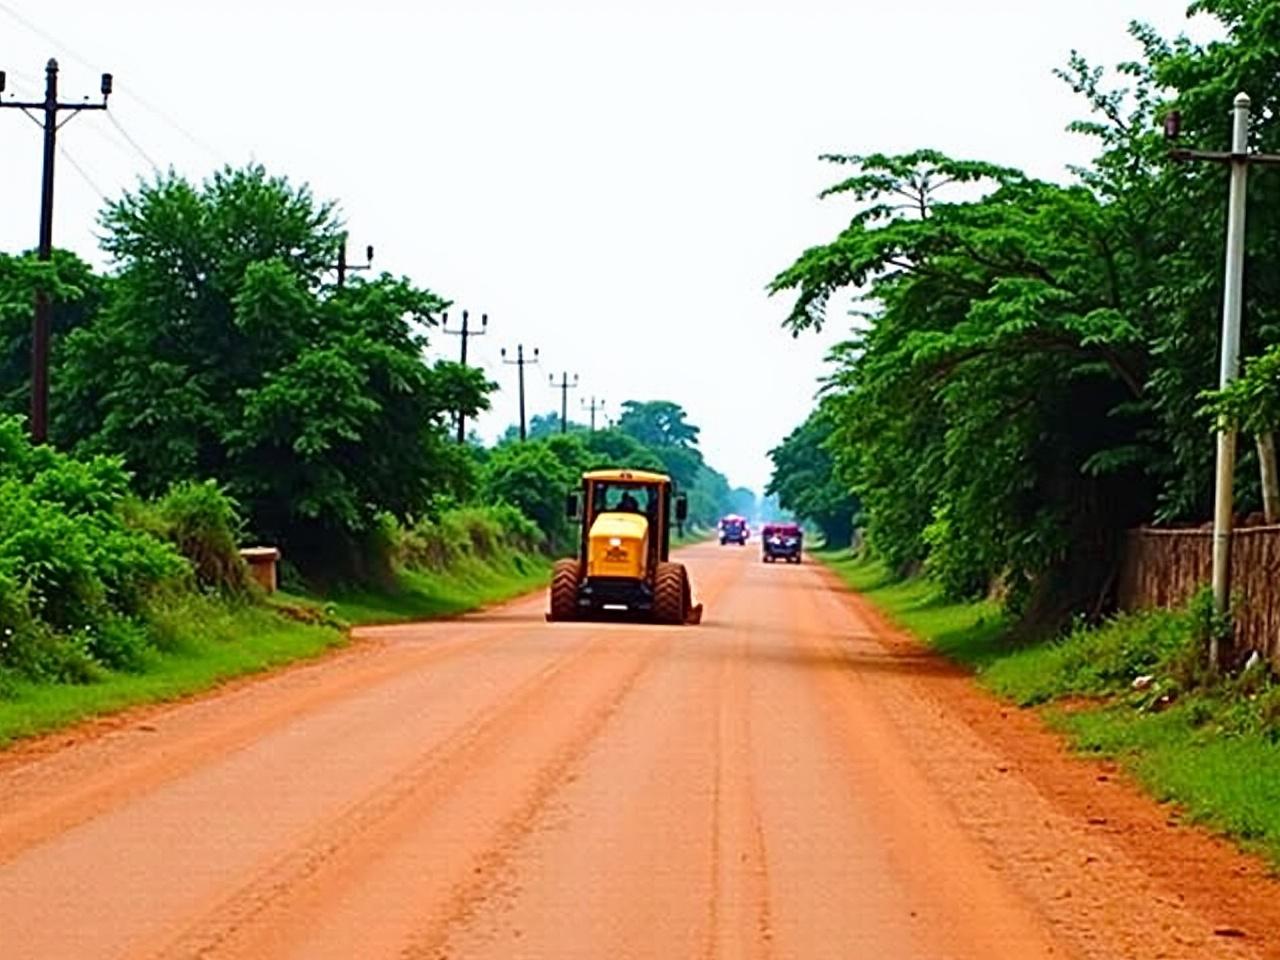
[(205, 642), (971, 633), (691, 535), (1213, 750), (468, 583)]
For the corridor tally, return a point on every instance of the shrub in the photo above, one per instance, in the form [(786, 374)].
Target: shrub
[(204, 523), (75, 577), (483, 532)]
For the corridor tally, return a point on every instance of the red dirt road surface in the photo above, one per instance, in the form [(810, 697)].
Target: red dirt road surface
[(789, 780)]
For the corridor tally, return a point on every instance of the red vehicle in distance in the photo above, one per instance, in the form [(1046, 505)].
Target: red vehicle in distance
[(781, 541)]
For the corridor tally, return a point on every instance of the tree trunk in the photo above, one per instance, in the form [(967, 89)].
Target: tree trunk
[(1270, 481)]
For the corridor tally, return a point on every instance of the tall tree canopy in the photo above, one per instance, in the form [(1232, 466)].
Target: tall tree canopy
[(1026, 375), (658, 423)]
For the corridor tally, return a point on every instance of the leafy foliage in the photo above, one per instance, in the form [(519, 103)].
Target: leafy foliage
[(76, 294), (1024, 376), (220, 352), (805, 480), (75, 578), (534, 476)]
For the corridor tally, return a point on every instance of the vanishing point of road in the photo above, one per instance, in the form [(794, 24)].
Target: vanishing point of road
[(789, 780)]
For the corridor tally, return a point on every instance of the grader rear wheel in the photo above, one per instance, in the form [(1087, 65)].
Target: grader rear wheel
[(671, 593), (564, 590)]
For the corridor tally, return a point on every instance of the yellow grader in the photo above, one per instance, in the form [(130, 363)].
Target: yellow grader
[(622, 565)]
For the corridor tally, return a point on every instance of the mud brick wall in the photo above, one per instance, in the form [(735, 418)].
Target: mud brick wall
[(1164, 568)]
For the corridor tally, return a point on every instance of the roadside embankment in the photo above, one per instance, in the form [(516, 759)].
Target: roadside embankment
[(108, 601)]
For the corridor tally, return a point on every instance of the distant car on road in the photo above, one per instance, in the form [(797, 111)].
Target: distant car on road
[(781, 540), (734, 529)]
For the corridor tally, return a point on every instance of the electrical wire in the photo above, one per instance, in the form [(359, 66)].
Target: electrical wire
[(132, 142), (84, 174), (128, 94)]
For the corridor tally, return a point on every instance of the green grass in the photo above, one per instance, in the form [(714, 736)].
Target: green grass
[(1213, 752), (206, 642), (971, 633), (1220, 772), (470, 583), (691, 535)]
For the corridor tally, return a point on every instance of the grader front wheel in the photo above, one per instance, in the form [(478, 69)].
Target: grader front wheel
[(564, 590), (672, 597)]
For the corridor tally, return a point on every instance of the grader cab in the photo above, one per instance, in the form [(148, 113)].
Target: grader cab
[(623, 564)]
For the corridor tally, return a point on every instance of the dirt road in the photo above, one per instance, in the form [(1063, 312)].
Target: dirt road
[(788, 780)]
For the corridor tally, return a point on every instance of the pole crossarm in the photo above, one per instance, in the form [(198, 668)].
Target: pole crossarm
[(1225, 156), (343, 268)]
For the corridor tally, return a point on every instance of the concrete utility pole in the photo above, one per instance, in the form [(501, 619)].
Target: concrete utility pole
[(520, 363), (43, 323), (564, 386), (344, 268), (465, 333), (1239, 159), (593, 406)]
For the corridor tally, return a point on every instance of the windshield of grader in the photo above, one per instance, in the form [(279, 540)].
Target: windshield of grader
[(620, 497)]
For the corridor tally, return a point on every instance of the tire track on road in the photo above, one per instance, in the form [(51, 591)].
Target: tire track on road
[(48, 808), (411, 791), (739, 925)]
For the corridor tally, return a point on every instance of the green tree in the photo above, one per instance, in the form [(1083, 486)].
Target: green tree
[(223, 353), (806, 482), (992, 402), (76, 292), (540, 426), (657, 423)]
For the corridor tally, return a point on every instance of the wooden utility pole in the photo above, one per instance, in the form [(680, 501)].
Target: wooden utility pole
[(564, 386), (465, 333), (43, 324), (520, 363), (593, 406)]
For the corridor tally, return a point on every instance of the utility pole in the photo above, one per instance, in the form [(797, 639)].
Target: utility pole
[(1239, 160), (43, 323), (593, 406), (343, 267), (465, 333), (520, 363), (564, 386)]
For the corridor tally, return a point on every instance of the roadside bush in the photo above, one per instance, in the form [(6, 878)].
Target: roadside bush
[(1095, 661), (75, 578), (204, 523), (482, 532)]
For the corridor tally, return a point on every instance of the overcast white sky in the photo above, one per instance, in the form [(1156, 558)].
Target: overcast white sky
[(612, 182)]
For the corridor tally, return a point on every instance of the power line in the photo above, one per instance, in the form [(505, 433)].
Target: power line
[(132, 142), (89, 65), (84, 174)]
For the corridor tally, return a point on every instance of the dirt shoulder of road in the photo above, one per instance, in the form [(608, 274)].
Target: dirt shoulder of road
[(245, 644), (1203, 871)]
